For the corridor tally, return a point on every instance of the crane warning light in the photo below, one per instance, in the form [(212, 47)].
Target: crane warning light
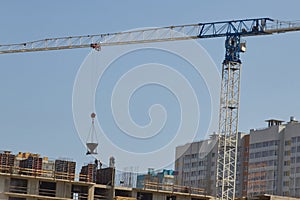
[(243, 47)]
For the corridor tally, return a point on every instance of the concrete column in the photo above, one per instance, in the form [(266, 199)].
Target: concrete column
[(112, 188), (4, 186), (91, 192), (33, 186)]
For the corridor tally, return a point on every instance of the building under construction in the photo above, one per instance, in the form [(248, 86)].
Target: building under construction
[(88, 173), (7, 160), (28, 187), (14, 186), (65, 169), (28, 176)]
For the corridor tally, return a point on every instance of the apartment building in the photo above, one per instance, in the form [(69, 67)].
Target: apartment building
[(196, 164), (274, 161), (291, 162)]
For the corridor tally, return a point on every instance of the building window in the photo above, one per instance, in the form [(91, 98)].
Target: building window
[(286, 163), (265, 153), (286, 173), (257, 154), (258, 145), (265, 144), (293, 160), (201, 163), (287, 153), (194, 164), (194, 155), (286, 193)]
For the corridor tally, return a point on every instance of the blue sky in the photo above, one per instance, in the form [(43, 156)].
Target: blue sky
[(36, 88)]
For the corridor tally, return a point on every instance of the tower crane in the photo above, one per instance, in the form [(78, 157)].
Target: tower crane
[(233, 31)]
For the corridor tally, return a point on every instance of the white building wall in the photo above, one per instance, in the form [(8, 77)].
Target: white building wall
[(196, 164), (291, 168), (263, 161), (274, 162)]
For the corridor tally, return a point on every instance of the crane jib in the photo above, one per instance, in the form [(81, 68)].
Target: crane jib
[(246, 27)]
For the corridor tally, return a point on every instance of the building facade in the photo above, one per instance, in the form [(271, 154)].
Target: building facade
[(268, 162), (242, 165), (274, 163), (164, 178), (291, 162), (196, 162)]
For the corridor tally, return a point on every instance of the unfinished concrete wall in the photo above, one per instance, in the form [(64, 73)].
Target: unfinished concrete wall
[(63, 189), (4, 186), (33, 186)]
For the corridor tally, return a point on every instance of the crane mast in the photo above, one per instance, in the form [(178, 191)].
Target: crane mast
[(233, 31), (228, 119)]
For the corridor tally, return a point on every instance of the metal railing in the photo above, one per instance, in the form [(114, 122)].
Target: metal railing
[(15, 170), (173, 188)]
